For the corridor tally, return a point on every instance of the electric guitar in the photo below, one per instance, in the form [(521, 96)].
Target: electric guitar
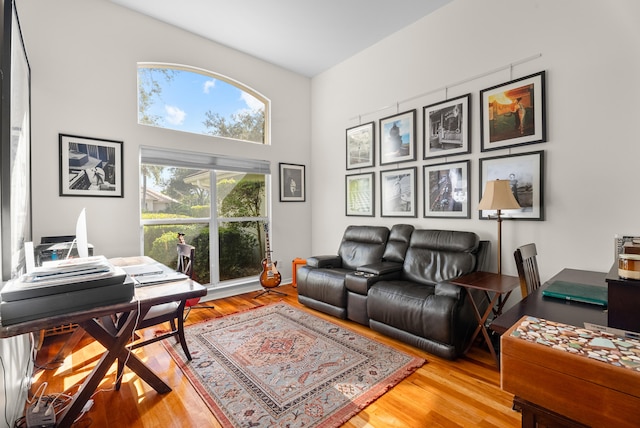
[(270, 277)]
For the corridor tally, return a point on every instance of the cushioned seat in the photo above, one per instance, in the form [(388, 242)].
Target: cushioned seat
[(421, 307), (321, 281)]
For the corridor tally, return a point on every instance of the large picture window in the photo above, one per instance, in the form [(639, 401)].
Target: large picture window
[(221, 212)]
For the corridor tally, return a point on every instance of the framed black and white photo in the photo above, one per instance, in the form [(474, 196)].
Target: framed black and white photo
[(446, 190), (398, 138), (447, 128), (513, 113), (360, 191), (292, 183), (525, 172), (90, 167), (398, 192), (360, 146)]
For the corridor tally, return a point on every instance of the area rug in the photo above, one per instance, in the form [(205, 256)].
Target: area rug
[(277, 365)]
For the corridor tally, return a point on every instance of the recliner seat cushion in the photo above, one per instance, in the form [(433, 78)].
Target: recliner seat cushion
[(412, 308), (325, 285)]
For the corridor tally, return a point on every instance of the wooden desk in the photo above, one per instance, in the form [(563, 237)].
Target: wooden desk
[(490, 283), (573, 313), (114, 341)]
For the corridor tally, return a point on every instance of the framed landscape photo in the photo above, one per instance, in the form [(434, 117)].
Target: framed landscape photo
[(360, 146), (513, 113), (90, 166), (398, 138), (398, 192), (446, 190), (447, 128), (360, 191), (292, 183), (525, 172)]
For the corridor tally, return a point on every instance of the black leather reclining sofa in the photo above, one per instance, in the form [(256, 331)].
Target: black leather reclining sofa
[(396, 282)]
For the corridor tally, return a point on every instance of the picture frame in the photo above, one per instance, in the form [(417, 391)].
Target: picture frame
[(360, 195), (447, 128), (398, 138), (292, 182), (513, 113), (525, 171), (446, 190), (360, 146), (398, 192), (90, 166)]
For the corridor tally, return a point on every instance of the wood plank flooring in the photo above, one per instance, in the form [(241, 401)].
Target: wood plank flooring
[(461, 393)]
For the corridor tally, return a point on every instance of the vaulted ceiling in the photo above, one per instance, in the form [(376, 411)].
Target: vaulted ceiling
[(304, 36)]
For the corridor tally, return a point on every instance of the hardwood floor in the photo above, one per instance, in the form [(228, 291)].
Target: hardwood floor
[(461, 393)]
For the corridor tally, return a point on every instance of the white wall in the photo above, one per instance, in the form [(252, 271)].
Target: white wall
[(590, 52), (83, 56)]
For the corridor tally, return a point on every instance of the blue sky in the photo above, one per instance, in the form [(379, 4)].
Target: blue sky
[(187, 97)]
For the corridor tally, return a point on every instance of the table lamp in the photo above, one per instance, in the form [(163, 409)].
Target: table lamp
[(498, 196)]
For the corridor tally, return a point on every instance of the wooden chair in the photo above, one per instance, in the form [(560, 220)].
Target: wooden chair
[(186, 257), (173, 313), (527, 266)]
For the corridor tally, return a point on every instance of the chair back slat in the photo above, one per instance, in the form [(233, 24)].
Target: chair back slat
[(186, 254), (527, 265)]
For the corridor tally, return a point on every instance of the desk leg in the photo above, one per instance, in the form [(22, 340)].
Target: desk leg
[(481, 321), (69, 345), (115, 346)]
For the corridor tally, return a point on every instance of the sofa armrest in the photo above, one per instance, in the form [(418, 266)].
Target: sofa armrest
[(381, 268), (449, 290), (324, 262)]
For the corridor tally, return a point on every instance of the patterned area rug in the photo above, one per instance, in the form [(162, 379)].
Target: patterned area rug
[(277, 365)]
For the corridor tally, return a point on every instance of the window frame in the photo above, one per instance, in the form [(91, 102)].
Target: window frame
[(206, 161)]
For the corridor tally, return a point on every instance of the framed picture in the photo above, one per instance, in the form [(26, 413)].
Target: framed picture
[(360, 190), (360, 146), (446, 190), (292, 183), (525, 172), (398, 138), (90, 166), (513, 113), (447, 128), (398, 192)]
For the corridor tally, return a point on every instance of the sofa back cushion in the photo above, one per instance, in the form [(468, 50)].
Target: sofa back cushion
[(398, 243), (362, 245), (439, 255)]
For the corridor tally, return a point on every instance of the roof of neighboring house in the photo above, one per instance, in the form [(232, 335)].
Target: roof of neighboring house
[(157, 196)]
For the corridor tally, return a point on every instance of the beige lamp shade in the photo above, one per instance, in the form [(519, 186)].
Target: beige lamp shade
[(498, 196)]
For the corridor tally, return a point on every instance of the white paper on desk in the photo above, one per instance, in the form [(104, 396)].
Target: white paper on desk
[(159, 278), (29, 256)]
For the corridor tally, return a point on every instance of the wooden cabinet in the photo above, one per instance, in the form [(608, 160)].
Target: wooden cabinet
[(588, 377)]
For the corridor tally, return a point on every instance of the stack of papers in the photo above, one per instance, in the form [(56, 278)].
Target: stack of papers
[(61, 276), (150, 274)]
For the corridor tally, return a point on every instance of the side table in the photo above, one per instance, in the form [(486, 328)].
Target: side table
[(498, 285)]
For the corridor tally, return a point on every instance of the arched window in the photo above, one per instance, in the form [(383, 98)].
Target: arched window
[(198, 101)]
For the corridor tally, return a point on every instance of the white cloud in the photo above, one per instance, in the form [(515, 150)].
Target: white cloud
[(175, 116), (252, 102), (208, 85)]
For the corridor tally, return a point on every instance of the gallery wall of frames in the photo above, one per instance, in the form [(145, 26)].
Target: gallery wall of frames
[(512, 114)]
